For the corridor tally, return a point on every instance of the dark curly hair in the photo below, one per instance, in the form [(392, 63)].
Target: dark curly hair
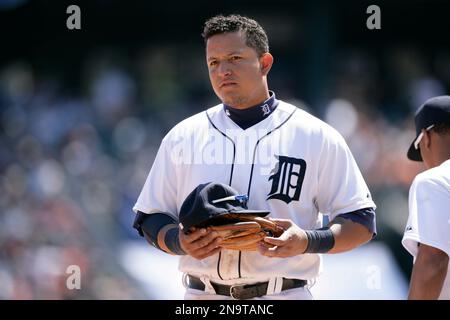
[(442, 128), (255, 36)]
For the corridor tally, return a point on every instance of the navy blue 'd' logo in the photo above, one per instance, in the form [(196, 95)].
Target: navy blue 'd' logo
[(287, 179)]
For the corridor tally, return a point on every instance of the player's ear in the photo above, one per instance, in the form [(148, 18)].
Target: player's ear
[(266, 62), (426, 138)]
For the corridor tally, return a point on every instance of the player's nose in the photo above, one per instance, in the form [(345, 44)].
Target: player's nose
[(224, 70)]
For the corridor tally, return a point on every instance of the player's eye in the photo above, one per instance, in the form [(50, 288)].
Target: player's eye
[(212, 63), (235, 58)]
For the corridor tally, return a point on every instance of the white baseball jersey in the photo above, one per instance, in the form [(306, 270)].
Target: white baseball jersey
[(429, 215), (291, 163)]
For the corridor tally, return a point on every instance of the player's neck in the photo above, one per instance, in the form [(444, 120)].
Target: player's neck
[(442, 157), (441, 152)]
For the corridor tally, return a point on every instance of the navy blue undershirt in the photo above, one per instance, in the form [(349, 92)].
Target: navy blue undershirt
[(245, 118), (365, 217)]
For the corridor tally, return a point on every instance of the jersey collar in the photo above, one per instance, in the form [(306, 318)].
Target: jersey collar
[(247, 118)]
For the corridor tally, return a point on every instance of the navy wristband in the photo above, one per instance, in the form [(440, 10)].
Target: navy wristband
[(319, 241), (172, 241), (150, 226)]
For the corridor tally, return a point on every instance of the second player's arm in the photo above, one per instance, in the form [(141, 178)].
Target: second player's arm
[(429, 272)]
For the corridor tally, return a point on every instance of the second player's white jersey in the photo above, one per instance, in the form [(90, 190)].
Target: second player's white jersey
[(290, 163), (429, 215)]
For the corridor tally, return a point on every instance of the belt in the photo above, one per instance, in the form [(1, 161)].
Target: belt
[(244, 291)]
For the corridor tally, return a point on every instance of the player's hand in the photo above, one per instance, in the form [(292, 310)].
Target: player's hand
[(200, 243), (292, 242)]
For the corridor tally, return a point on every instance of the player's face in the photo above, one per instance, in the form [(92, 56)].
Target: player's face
[(237, 74)]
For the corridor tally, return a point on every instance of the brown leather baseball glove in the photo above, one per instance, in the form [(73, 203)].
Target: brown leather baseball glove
[(242, 231)]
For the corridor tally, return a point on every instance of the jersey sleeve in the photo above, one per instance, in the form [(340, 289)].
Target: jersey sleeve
[(159, 191), (341, 186), (429, 216)]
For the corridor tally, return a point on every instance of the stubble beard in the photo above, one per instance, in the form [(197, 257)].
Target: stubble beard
[(235, 101)]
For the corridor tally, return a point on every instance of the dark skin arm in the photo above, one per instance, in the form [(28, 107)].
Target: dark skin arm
[(428, 275), (347, 236)]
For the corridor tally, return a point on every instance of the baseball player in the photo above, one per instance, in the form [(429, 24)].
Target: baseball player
[(281, 158), (427, 233)]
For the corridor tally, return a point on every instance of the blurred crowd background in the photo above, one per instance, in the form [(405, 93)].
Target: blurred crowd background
[(82, 114)]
